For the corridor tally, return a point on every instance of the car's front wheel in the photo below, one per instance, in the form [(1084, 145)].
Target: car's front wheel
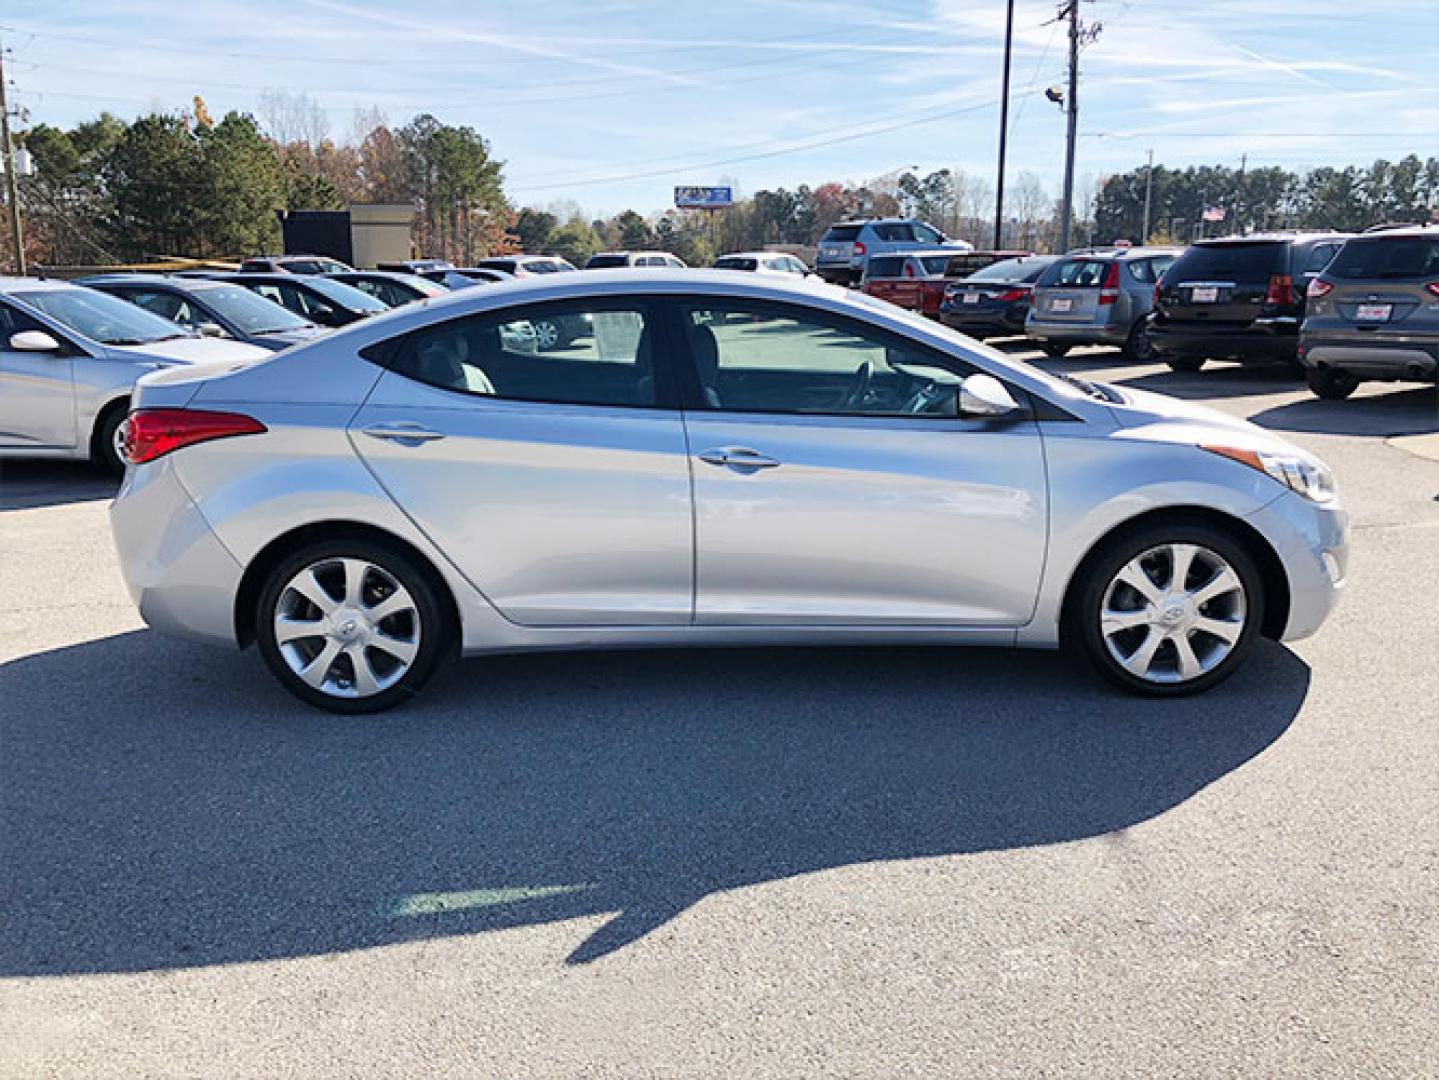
[(1169, 610), (1330, 383), (549, 335), (351, 626)]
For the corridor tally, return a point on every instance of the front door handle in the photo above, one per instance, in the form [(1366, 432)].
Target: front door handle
[(403, 432), (738, 457)]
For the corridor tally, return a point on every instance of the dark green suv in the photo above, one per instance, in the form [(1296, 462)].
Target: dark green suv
[(1374, 313)]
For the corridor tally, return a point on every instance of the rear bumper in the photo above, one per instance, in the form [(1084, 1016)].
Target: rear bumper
[(180, 576), (837, 273), (1374, 358), (978, 323), (1076, 333), (1261, 342)]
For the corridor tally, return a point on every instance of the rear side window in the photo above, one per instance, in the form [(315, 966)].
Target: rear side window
[(1394, 258), (1075, 274), (895, 232), (1241, 263), (935, 265), (497, 355), (842, 234), (1318, 257), (886, 267)]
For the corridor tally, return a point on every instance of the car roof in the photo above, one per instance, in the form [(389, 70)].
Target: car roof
[(12, 284), (1121, 253), (1274, 238)]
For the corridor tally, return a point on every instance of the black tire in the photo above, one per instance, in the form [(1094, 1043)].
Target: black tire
[(1137, 347), (431, 627), (1083, 614), (1330, 383), (1053, 349), (103, 451), (1185, 364)]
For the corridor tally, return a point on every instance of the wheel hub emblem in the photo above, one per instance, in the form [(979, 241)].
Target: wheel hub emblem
[(1173, 615)]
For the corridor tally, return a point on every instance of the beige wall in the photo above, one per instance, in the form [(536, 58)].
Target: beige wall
[(380, 233)]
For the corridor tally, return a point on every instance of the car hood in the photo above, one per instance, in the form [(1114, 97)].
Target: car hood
[(189, 350), (1160, 418)]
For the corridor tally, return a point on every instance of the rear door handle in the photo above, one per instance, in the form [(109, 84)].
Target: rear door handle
[(738, 457), (403, 432)]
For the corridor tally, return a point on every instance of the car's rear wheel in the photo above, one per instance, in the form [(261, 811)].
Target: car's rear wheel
[(1330, 383), (1053, 349), (1137, 346), (350, 626), (1169, 610), (1185, 364)]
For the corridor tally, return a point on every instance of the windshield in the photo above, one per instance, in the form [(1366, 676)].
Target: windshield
[(1388, 257), (842, 234), (346, 296), (102, 317), (250, 312)]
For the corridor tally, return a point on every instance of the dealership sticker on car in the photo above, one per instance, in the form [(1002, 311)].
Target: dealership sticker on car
[(1374, 312), (1204, 295), (1062, 303)]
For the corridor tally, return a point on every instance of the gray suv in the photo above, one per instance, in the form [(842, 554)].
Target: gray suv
[(1374, 313), (1098, 298), (845, 250)]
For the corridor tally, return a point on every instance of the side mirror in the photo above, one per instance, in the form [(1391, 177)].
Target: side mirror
[(210, 329), (33, 341), (983, 397)]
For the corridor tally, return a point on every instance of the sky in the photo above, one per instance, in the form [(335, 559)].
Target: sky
[(610, 103)]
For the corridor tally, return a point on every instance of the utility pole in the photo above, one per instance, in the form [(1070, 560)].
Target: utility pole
[(1071, 109), (1003, 128), (12, 183), (1239, 200), (1148, 188)]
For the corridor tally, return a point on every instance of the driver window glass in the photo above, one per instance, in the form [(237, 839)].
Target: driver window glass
[(769, 360)]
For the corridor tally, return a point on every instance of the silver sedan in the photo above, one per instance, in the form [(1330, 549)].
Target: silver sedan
[(726, 460)]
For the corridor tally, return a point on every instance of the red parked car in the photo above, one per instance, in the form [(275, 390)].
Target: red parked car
[(911, 279)]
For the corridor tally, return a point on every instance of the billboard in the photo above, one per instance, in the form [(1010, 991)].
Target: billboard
[(703, 198)]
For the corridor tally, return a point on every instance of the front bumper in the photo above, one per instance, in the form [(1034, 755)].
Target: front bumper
[(1264, 341), (180, 576), (1312, 542)]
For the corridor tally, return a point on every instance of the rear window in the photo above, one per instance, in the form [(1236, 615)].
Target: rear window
[(967, 265), (734, 264), (935, 265), (1394, 258), (886, 267), (606, 262), (1075, 274), (842, 234), (1240, 263)]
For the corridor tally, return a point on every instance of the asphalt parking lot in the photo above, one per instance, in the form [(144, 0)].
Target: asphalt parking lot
[(760, 863)]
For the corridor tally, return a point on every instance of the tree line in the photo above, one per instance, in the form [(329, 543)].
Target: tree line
[(186, 185)]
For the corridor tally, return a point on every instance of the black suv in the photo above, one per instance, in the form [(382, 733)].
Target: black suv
[(1240, 298)]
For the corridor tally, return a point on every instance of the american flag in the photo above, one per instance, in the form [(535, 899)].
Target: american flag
[(1213, 213)]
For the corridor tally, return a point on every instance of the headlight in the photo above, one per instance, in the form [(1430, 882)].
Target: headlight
[(1305, 475)]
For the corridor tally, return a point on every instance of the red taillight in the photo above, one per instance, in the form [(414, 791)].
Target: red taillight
[(1010, 295), (1281, 289), (1318, 288), (858, 249), (1433, 287), (153, 433), (1156, 294), (1109, 288)]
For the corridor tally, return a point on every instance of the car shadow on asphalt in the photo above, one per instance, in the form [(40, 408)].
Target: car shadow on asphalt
[(29, 485), (1219, 381), (168, 806), (1396, 411)]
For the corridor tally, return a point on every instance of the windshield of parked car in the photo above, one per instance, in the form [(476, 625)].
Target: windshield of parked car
[(1245, 263), (102, 317), (251, 312), (346, 296), (1395, 257)]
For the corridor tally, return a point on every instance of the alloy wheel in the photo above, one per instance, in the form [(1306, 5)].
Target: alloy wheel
[(1173, 613), (347, 627)]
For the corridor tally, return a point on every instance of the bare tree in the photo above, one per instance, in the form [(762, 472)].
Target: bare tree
[(1028, 200), (293, 118)]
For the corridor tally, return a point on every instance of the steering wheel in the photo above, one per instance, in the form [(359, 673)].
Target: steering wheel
[(860, 387)]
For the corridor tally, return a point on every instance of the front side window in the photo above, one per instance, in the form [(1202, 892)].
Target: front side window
[(167, 305), (497, 355), (773, 359), (927, 234)]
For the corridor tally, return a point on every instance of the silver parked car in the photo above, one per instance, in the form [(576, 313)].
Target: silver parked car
[(1098, 298), (68, 359), (732, 459)]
